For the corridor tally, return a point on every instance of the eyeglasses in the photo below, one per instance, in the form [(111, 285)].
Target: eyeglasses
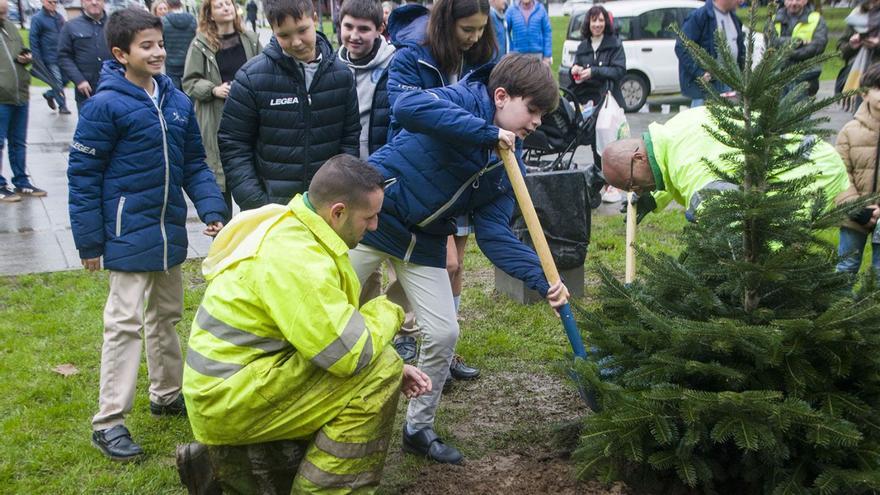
[(632, 162)]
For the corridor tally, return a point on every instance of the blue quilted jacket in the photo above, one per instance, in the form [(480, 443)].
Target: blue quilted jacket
[(441, 165), (534, 36), (129, 166), (413, 66)]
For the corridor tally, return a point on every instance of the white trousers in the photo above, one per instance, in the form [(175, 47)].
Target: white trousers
[(430, 295)]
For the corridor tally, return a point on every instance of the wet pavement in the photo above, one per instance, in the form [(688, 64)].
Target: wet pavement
[(35, 233)]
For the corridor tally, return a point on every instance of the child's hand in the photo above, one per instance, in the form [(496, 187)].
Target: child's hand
[(506, 139), (557, 296), (92, 264), (213, 229)]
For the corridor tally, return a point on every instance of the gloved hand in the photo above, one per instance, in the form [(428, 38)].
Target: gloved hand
[(862, 217), (645, 204)]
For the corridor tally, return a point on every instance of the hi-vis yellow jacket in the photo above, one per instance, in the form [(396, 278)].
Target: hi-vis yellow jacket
[(280, 285)]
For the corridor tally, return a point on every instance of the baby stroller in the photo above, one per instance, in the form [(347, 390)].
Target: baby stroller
[(553, 144)]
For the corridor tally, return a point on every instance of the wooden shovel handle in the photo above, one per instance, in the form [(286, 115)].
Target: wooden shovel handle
[(528, 212)]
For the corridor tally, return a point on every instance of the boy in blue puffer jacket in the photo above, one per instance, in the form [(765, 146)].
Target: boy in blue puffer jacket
[(136, 148), (441, 165)]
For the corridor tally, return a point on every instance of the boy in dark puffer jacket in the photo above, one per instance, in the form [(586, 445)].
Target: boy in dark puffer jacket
[(290, 109), (136, 148)]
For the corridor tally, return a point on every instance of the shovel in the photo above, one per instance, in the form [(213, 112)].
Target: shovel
[(543, 249)]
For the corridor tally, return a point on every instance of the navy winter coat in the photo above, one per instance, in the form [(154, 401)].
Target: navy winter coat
[(413, 66), (127, 175), (43, 36), (699, 26), (82, 48), (442, 165), (275, 133)]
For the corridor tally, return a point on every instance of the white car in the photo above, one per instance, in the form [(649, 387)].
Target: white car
[(570, 7), (649, 44)]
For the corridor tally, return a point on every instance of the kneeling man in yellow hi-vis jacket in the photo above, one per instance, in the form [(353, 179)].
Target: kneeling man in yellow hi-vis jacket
[(280, 349)]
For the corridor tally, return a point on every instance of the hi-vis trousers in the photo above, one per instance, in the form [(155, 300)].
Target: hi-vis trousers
[(346, 421)]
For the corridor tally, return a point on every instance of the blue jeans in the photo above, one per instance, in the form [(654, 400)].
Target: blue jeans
[(59, 83), (851, 249), (13, 131)]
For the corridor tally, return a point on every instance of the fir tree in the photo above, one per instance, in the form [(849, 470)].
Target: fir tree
[(744, 365)]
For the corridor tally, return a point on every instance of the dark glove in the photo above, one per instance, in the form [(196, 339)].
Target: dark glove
[(595, 183), (645, 204), (862, 217)]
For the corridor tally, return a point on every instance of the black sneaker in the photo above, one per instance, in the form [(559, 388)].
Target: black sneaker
[(64, 111), (405, 345), (461, 371), (8, 196), (50, 101), (116, 443), (427, 444), (31, 190), (177, 407)]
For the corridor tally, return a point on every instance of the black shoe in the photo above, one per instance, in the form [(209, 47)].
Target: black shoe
[(427, 444), (406, 347), (64, 111), (461, 371), (177, 407), (50, 101), (116, 443), (30, 190)]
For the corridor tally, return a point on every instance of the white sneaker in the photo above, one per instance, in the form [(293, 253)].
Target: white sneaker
[(611, 195)]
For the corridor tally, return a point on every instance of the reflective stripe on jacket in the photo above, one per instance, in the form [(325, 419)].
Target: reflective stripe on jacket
[(280, 283)]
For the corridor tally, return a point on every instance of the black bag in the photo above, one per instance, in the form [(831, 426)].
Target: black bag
[(562, 203)]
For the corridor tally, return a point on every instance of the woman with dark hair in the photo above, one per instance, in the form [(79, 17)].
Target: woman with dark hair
[(599, 63), (220, 48), (457, 39), (599, 66)]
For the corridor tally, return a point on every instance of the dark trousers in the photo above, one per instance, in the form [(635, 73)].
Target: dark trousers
[(13, 131)]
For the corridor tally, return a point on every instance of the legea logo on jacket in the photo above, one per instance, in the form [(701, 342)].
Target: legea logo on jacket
[(290, 100), (83, 148)]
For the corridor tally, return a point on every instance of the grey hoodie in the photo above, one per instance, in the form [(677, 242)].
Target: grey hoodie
[(366, 78)]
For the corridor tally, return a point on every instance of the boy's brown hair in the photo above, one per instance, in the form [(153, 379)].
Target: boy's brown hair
[(526, 76)]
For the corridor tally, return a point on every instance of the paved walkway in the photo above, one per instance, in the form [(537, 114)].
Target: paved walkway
[(35, 233)]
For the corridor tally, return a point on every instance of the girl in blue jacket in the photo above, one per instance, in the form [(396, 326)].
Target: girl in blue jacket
[(458, 39)]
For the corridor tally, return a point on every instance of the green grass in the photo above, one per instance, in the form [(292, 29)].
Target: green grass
[(55, 318), (52, 319)]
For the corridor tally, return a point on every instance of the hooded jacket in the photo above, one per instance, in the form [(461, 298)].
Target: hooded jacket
[(676, 151), (82, 48), (201, 75), (15, 80), (246, 327), (700, 26), (413, 66), (530, 36), (43, 36), (371, 79), (130, 162), (179, 30), (858, 144), (276, 133), (607, 68), (442, 165)]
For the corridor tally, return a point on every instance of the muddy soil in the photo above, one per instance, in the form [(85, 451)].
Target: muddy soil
[(509, 426)]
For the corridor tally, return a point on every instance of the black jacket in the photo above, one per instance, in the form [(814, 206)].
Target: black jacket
[(274, 134), (607, 66), (179, 29), (82, 49)]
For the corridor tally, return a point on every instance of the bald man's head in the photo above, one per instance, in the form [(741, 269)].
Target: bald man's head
[(4, 9), (625, 166)]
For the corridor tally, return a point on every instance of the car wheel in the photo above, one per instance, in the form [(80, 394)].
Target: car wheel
[(635, 92)]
